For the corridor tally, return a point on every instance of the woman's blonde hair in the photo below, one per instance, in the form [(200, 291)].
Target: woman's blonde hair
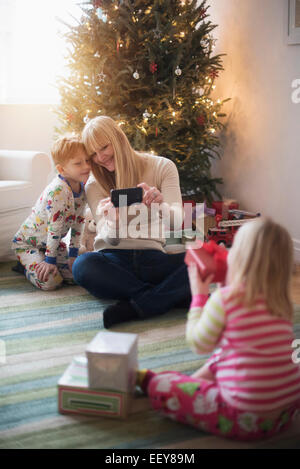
[(129, 164), (261, 259)]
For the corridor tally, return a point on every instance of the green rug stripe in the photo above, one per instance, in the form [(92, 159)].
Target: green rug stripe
[(97, 432), (24, 377), (52, 391), (37, 305), (17, 346), (27, 396)]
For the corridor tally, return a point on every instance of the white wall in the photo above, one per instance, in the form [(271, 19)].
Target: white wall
[(261, 161), (27, 127)]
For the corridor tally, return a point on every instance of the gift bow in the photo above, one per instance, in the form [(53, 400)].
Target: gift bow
[(218, 253)]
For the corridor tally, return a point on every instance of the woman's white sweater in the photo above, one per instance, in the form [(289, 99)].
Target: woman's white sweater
[(140, 227)]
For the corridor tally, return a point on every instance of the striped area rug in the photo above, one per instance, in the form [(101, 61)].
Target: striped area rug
[(42, 331)]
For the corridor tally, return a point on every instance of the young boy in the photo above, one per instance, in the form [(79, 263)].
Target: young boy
[(60, 207)]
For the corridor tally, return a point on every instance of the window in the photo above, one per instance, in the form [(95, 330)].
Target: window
[(31, 48)]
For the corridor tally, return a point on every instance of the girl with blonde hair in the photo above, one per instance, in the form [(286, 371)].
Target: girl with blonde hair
[(250, 387), (131, 265)]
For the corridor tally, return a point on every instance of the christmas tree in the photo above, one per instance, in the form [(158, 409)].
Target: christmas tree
[(150, 66)]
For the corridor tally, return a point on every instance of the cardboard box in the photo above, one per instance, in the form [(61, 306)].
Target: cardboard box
[(112, 361), (75, 397)]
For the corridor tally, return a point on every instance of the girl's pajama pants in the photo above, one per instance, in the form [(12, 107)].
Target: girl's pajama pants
[(198, 402)]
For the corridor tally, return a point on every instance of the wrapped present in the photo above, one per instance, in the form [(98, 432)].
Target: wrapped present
[(176, 240), (112, 361), (211, 212), (210, 258), (75, 396), (223, 207)]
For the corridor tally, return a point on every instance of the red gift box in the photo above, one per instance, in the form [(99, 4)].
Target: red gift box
[(210, 258), (222, 207)]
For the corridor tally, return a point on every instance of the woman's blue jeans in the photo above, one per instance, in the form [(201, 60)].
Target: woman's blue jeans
[(151, 280)]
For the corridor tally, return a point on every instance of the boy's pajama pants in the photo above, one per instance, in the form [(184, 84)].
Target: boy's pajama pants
[(30, 257), (198, 402)]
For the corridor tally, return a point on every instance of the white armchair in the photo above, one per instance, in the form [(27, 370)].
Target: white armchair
[(23, 176)]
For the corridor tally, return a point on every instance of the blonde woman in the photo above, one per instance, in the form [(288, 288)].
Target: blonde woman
[(130, 264), (250, 386)]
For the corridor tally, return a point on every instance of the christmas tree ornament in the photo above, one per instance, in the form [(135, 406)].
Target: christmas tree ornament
[(119, 45), (199, 91), (86, 119), (153, 67), (157, 33), (97, 3), (178, 71), (101, 15), (146, 115), (203, 13), (101, 77), (136, 75), (201, 119), (204, 43), (213, 74)]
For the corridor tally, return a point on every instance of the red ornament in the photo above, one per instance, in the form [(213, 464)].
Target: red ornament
[(201, 120), (203, 13), (213, 74), (153, 67), (118, 46), (97, 3), (156, 132)]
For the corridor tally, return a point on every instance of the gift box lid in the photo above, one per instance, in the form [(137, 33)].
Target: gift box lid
[(76, 375), (202, 258), (111, 343), (210, 259)]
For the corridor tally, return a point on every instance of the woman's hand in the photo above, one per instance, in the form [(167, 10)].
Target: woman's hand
[(107, 209), (151, 194), (198, 286), (43, 270)]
